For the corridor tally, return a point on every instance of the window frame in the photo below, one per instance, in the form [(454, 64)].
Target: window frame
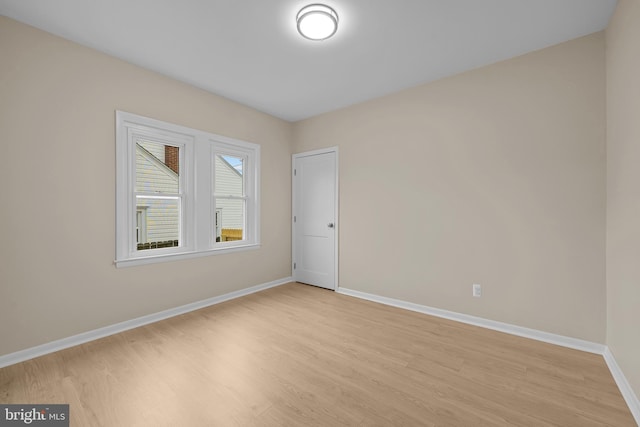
[(222, 148), (197, 183), (184, 208)]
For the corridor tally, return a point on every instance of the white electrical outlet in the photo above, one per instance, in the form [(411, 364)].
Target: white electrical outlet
[(477, 290)]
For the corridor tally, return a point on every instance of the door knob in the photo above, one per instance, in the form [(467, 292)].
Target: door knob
[(330, 225)]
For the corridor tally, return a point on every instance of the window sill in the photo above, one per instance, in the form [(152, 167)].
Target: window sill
[(154, 259)]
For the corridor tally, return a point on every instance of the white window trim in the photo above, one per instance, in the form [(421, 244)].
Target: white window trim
[(198, 150)]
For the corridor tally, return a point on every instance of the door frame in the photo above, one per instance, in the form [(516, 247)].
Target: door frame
[(336, 239)]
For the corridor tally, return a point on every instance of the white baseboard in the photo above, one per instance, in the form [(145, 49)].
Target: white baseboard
[(625, 388), (547, 337), (627, 392), (61, 344)]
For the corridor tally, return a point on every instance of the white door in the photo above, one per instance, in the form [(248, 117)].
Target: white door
[(315, 190)]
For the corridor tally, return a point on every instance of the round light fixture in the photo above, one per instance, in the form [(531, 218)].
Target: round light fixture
[(317, 22)]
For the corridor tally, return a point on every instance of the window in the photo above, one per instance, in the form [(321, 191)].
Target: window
[(181, 192), (159, 195), (229, 196)]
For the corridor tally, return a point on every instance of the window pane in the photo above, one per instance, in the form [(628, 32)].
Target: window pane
[(157, 167), (157, 222), (229, 219), (228, 179)]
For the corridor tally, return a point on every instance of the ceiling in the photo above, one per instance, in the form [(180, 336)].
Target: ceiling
[(249, 50)]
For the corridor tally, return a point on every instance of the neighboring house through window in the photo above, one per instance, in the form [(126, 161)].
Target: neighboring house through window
[(229, 197), (158, 196), (182, 192)]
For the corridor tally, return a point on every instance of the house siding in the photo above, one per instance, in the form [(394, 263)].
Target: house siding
[(162, 216), (154, 148), (229, 182)]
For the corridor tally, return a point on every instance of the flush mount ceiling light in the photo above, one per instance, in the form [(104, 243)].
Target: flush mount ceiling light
[(317, 22)]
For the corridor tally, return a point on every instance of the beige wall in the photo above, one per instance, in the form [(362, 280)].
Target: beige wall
[(57, 103), (623, 189), (495, 176)]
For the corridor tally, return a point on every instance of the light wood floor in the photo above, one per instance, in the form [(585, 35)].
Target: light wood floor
[(296, 355)]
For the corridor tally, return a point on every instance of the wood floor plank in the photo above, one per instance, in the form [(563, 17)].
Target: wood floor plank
[(296, 355)]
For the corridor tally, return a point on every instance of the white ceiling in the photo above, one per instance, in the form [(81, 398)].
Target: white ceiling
[(249, 50)]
